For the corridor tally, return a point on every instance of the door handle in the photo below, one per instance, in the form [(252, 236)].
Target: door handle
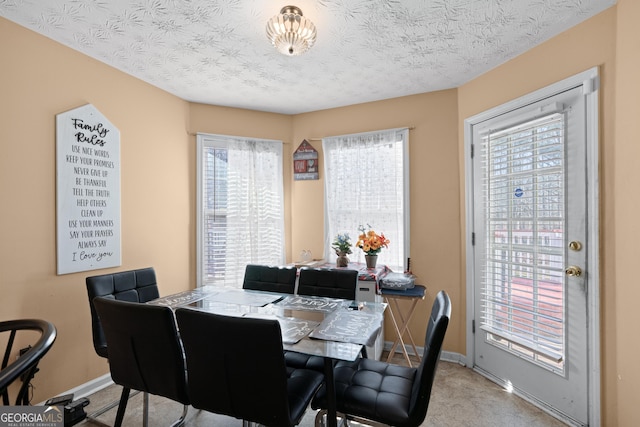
[(573, 271)]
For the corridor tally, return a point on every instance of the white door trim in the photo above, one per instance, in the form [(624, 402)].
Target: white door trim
[(590, 82)]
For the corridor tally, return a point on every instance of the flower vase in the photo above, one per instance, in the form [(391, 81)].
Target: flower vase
[(342, 260), (371, 260)]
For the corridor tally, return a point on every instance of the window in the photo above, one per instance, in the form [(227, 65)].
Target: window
[(523, 304), (367, 183), (240, 207)]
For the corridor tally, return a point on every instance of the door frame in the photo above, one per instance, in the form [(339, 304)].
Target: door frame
[(590, 82)]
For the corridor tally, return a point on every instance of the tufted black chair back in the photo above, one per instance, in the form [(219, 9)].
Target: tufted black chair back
[(436, 329), (133, 286), (270, 279), (145, 352), (236, 368), (373, 391), (327, 283), (330, 283)]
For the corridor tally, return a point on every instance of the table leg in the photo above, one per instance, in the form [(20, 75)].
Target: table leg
[(395, 326), (406, 328), (400, 330), (332, 416)]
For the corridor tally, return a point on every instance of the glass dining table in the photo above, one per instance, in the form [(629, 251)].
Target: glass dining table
[(334, 329)]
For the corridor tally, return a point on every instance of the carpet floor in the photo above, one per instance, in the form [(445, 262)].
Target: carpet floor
[(460, 398)]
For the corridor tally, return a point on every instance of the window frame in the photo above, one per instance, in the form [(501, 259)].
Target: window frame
[(402, 135), (222, 141)]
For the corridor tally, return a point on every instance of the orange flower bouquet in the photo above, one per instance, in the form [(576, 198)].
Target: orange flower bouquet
[(370, 241)]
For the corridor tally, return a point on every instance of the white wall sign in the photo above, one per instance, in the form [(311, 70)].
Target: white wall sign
[(88, 191)]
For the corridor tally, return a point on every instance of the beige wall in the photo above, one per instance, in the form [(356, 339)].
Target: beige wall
[(623, 226), (435, 209), (40, 79)]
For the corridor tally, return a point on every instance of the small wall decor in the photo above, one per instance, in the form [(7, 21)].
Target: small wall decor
[(305, 162), (88, 191)]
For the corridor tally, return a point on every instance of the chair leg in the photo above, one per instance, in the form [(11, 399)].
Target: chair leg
[(93, 417), (320, 418), (124, 398), (180, 421), (145, 409)]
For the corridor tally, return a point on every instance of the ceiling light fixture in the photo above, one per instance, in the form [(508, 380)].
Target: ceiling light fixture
[(290, 32)]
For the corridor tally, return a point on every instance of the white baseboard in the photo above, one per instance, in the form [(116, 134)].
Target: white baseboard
[(450, 356), (447, 356), (93, 386), (88, 388)]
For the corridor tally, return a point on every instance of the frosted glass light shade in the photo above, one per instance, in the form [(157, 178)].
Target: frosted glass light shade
[(290, 32)]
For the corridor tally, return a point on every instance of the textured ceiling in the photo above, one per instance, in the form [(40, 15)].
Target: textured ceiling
[(216, 51)]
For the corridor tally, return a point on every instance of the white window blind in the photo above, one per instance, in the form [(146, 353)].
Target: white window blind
[(240, 207), (367, 183), (523, 278)]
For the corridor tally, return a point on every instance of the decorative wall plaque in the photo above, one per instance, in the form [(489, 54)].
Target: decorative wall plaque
[(305, 162), (88, 191)]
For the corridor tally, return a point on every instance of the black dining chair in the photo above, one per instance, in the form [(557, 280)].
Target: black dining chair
[(373, 392), (138, 285), (134, 285), (236, 368), (25, 366), (144, 351), (327, 283), (270, 278), (330, 283)]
